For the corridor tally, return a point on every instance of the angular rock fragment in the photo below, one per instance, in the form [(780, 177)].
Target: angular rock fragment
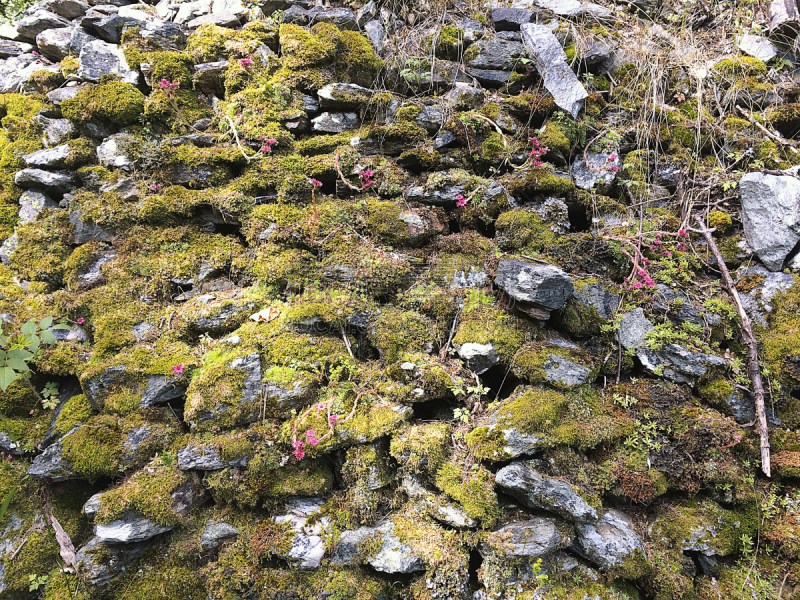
[(678, 364), (98, 58), (56, 182), (216, 533), (610, 541), (536, 491), (541, 287), (551, 62)]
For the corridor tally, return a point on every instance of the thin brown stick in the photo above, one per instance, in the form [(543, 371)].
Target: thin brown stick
[(768, 133), (753, 368), (347, 343)]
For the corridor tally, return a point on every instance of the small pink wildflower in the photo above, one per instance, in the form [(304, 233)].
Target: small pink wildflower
[(299, 454), (177, 369), (155, 187), (79, 320), (366, 177), (246, 63), (681, 247), (614, 168), (313, 441), (613, 157), (460, 200), (268, 144), (168, 86), (667, 253), (311, 433), (682, 233), (321, 406), (316, 183), (637, 285), (332, 419)]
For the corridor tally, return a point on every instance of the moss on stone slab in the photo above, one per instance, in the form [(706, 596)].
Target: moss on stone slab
[(116, 102), (473, 489), (421, 448)]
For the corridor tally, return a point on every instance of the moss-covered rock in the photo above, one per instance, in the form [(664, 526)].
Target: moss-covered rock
[(118, 103)]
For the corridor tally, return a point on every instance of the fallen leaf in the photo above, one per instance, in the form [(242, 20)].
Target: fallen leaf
[(266, 315)]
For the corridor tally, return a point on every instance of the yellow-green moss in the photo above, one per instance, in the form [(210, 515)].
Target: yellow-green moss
[(539, 181), (117, 102), (397, 331), (488, 325), (522, 230), (421, 448), (94, 450), (76, 410), (473, 489)]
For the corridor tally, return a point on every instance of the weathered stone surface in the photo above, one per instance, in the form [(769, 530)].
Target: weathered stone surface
[(54, 43), (308, 543), (52, 158), (530, 539), (336, 122), (633, 329), (343, 18), (103, 561), (51, 466), (757, 301), (118, 151), (31, 204), (543, 286), (511, 19), (376, 34), (465, 97), (559, 370), (129, 529), (15, 72), (209, 76), (497, 54), (771, 216), (536, 491), (392, 557), (86, 230), (757, 47), (97, 58), (69, 9), (437, 506), (479, 357), (215, 534), (56, 182), (551, 62), (600, 172), (9, 48), (343, 96), (678, 364), (32, 25), (608, 542)]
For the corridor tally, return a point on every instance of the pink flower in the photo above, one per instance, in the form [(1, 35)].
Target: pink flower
[(642, 272), (177, 369), (298, 444), (8, 458), (316, 183), (681, 247), (614, 168), (155, 187), (313, 441), (613, 157), (321, 406), (311, 433), (79, 320), (667, 253), (682, 233), (246, 63), (637, 285), (461, 201), (332, 419), (299, 454), (168, 86)]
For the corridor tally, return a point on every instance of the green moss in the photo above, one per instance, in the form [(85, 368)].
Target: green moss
[(446, 42), (44, 246), (356, 59), (539, 181), (489, 325), (81, 152), (716, 392), (780, 342), (524, 231), (64, 586), (397, 331), (148, 493), (76, 411), (740, 66), (94, 450), (554, 139), (473, 489), (117, 102), (46, 81), (216, 391), (172, 66), (160, 110), (302, 49), (166, 578), (422, 448), (211, 42), (18, 400), (37, 556), (529, 363)]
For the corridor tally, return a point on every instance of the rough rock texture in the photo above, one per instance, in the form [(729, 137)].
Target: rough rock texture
[(608, 542)]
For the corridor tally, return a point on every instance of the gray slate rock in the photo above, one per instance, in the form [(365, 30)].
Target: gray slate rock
[(117, 559), (758, 301), (129, 529), (552, 495), (465, 97), (758, 47), (343, 96), (69, 9), (595, 296), (86, 231), (308, 543), (597, 173), (392, 557), (31, 204), (551, 62), (633, 329), (52, 181), (54, 43), (107, 27), (496, 54), (118, 151), (97, 58), (559, 370), (55, 130), (530, 539), (204, 458), (15, 72), (216, 533), (51, 158), (209, 77), (678, 364), (771, 216), (376, 35), (479, 357), (609, 541), (343, 18), (7, 248), (542, 286), (9, 48), (438, 507), (336, 122), (51, 466), (32, 25), (511, 19)]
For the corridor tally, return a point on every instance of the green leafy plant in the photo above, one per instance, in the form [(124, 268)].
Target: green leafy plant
[(50, 395), (16, 351), (461, 414), (37, 581)]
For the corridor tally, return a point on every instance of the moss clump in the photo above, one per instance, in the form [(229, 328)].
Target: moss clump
[(522, 230), (148, 493), (740, 66), (719, 220), (356, 59), (488, 325), (302, 49), (539, 181), (215, 395), (211, 42), (384, 221), (529, 364), (446, 42), (37, 556), (172, 66), (159, 110), (555, 141), (716, 392), (117, 102), (76, 410), (63, 586), (781, 341), (421, 448), (44, 246), (397, 331), (18, 400), (473, 489), (94, 450), (81, 152), (46, 81)]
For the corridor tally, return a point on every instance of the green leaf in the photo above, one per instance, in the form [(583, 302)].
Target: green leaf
[(2, 355), (29, 328), (61, 326), (33, 343), (48, 337), (7, 501), (17, 365), (19, 353), (7, 377), (46, 322)]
